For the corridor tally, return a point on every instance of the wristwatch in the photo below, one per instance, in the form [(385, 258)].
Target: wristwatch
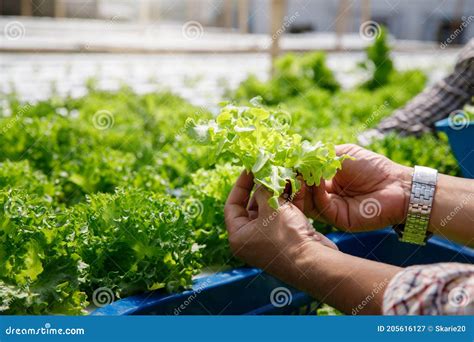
[(415, 229)]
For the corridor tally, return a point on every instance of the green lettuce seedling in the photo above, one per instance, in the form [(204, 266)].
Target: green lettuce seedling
[(260, 139)]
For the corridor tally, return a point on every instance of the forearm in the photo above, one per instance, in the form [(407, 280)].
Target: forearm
[(350, 284), (452, 215)]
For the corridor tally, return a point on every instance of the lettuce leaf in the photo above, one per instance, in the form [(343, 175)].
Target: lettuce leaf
[(261, 140)]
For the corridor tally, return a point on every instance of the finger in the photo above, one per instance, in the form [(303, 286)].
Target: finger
[(342, 149), (253, 204), (253, 214), (299, 196), (347, 149), (262, 195), (308, 200), (328, 185), (240, 193), (253, 208), (322, 202), (235, 212), (356, 152)]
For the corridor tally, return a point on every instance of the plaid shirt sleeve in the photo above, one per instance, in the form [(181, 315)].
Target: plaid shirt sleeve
[(438, 289), (434, 103)]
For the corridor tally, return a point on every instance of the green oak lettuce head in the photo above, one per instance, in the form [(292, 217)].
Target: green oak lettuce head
[(261, 140)]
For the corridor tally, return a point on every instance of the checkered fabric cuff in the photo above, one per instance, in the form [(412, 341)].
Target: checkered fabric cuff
[(438, 289)]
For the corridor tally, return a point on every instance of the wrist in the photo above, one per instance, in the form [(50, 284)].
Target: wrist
[(311, 263), (405, 177), (415, 229), (300, 262)]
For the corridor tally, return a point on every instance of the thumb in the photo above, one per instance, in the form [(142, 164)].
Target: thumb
[(262, 195)]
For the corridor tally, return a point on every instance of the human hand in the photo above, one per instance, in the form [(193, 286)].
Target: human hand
[(267, 238), (369, 192)]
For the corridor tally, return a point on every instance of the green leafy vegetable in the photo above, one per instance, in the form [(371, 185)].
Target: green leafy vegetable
[(294, 74), (379, 61), (135, 241), (204, 199), (40, 269), (261, 141)]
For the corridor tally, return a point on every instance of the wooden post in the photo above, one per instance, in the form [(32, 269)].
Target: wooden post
[(145, 11), (26, 8), (365, 13), (278, 11), (243, 16), (228, 6), (341, 22), (59, 9), (190, 10), (97, 9)]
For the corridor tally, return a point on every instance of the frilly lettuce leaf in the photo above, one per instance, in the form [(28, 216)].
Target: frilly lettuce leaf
[(261, 140)]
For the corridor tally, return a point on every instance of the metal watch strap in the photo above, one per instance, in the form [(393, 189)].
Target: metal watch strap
[(415, 229)]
